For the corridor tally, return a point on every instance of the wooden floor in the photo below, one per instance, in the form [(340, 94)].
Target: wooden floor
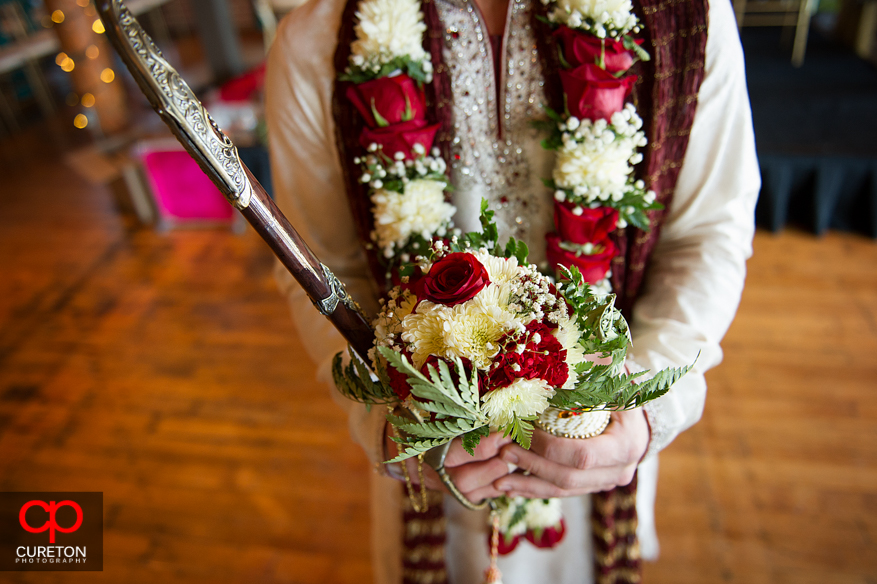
[(164, 371)]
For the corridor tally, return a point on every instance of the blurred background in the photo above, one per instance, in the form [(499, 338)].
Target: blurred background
[(146, 353)]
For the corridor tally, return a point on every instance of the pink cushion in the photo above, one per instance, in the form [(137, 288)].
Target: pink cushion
[(182, 191)]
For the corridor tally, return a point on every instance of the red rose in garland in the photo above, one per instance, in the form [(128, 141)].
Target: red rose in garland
[(582, 48), (592, 93), (591, 226), (454, 279), (593, 267), (395, 99), (401, 137)]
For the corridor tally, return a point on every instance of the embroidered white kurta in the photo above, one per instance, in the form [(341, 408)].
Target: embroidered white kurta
[(693, 284)]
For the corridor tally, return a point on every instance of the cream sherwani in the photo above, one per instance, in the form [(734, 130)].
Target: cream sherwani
[(694, 280)]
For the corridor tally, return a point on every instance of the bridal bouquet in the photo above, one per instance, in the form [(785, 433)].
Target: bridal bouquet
[(476, 339)]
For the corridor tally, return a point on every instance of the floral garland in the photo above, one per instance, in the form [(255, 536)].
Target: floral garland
[(596, 139)]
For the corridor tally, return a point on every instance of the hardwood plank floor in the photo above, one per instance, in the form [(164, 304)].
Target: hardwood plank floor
[(164, 371)]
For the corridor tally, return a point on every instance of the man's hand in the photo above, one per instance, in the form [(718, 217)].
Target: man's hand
[(473, 475), (564, 467)]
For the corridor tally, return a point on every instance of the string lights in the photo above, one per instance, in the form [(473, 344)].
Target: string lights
[(79, 50)]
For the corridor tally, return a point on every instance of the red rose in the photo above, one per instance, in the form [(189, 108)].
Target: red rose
[(455, 278), (581, 49), (544, 360), (401, 137), (593, 267), (506, 546), (591, 226), (548, 537), (396, 99), (592, 93)]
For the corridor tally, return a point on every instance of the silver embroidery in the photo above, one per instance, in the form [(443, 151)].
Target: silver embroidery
[(496, 153)]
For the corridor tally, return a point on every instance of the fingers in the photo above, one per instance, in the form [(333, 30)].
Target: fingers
[(487, 448), (477, 475), (474, 479), (624, 441), (600, 451), (581, 483)]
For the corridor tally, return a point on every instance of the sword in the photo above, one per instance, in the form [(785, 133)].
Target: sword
[(218, 157)]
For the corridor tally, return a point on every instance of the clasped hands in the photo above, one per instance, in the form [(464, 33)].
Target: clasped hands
[(553, 467)]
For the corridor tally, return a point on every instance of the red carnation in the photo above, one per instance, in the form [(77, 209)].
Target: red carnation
[(399, 381), (548, 537), (591, 226), (401, 137), (593, 267), (593, 93), (582, 48), (455, 278), (544, 360), (396, 99)]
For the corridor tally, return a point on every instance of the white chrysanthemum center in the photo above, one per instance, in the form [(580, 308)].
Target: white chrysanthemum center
[(424, 332), (523, 398), (500, 270), (388, 29), (543, 513), (473, 334), (421, 209)]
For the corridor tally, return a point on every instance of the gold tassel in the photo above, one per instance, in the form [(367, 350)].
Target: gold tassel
[(492, 575)]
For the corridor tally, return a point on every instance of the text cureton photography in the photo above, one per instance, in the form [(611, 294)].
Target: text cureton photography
[(51, 531)]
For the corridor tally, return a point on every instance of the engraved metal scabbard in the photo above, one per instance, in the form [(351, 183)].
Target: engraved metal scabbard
[(176, 103)]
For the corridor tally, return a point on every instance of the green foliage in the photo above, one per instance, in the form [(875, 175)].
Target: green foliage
[(517, 249), (473, 438), (358, 75), (355, 382), (486, 239), (631, 45), (521, 431), (600, 388), (453, 399)]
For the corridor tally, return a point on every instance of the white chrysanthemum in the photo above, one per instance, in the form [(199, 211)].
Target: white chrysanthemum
[(420, 209), (507, 508), (424, 330), (387, 29), (493, 300), (543, 513), (596, 166), (500, 270), (473, 331), (524, 397), (568, 334)]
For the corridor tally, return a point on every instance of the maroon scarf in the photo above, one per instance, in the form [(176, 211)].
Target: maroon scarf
[(666, 99)]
